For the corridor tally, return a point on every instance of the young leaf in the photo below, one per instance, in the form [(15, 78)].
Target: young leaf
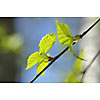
[(65, 37), (41, 66), (33, 59), (43, 63), (64, 34), (40, 57), (47, 42), (63, 29)]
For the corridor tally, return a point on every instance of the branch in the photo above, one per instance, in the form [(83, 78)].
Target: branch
[(66, 49), (87, 68)]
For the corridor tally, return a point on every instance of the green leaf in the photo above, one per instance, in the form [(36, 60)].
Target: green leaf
[(41, 66), (63, 28), (65, 38), (64, 34), (47, 42), (33, 59)]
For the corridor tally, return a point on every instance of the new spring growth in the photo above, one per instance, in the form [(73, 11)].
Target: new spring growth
[(41, 57), (65, 37)]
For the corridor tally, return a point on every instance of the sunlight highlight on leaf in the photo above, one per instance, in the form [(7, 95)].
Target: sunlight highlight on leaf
[(47, 42), (41, 66), (33, 59), (64, 34), (63, 29), (41, 57), (65, 37)]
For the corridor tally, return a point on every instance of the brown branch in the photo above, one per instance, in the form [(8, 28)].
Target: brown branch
[(56, 57), (87, 68)]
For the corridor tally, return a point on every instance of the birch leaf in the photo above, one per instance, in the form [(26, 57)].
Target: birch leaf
[(33, 59), (41, 66), (64, 34), (47, 42)]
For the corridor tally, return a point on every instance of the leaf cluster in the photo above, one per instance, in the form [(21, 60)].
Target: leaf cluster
[(46, 43), (41, 57)]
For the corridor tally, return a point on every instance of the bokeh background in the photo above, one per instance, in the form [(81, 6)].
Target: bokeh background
[(19, 37)]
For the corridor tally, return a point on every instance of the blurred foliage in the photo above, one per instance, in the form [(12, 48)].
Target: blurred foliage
[(75, 75), (11, 46), (13, 42)]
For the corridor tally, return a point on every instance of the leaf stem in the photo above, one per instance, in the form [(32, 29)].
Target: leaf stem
[(66, 49)]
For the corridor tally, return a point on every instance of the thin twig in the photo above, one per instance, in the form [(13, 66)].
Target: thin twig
[(90, 27), (56, 57), (87, 68)]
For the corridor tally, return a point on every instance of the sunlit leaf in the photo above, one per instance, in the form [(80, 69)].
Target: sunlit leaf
[(48, 55), (41, 66), (63, 28), (47, 42), (64, 34), (33, 59), (65, 38), (40, 57)]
